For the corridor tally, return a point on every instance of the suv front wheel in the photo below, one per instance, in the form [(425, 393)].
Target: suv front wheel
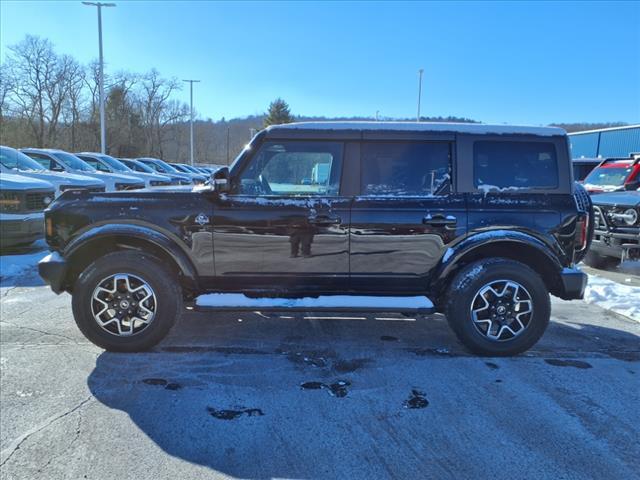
[(498, 307), (126, 301)]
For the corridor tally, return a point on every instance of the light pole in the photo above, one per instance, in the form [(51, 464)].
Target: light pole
[(419, 91), (191, 82), (103, 128)]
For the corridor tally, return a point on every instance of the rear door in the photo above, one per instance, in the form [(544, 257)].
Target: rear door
[(285, 222), (406, 214)]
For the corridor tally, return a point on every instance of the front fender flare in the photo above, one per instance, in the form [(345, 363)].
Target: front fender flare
[(144, 233)]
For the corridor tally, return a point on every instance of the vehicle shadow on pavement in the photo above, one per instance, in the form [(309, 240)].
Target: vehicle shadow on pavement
[(302, 397)]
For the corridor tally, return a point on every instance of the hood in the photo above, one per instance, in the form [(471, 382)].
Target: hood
[(622, 199), (11, 181), (63, 178), (116, 176)]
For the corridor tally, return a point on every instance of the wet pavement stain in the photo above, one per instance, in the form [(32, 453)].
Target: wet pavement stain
[(427, 352), (205, 349), (335, 389), (388, 338), (233, 414), (155, 381), (498, 381), (567, 363), (161, 382), (350, 366), (491, 365), (416, 400)]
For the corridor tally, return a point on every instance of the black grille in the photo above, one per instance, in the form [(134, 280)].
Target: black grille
[(35, 201), (96, 189)]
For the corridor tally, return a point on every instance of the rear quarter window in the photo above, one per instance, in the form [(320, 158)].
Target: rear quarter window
[(504, 164)]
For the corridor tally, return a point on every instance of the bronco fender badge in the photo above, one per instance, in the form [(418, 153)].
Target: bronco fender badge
[(202, 219)]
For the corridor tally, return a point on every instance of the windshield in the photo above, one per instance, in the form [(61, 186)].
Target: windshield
[(192, 169), (15, 159), (608, 176), (162, 166), (138, 166), (73, 162), (117, 165)]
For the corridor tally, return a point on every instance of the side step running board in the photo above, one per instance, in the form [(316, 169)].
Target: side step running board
[(327, 303)]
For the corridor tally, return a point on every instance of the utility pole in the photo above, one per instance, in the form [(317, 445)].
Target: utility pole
[(419, 91), (191, 82), (377, 115), (227, 145), (103, 127)]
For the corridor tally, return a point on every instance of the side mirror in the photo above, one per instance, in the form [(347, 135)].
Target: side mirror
[(631, 186), (220, 180)]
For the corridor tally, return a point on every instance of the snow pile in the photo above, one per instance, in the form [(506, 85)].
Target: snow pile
[(623, 299), (13, 267)]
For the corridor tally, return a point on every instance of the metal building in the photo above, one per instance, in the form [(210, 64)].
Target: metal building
[(606, 142)]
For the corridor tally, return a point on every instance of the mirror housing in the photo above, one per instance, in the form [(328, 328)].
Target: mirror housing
[(220, 180), (632, 185)]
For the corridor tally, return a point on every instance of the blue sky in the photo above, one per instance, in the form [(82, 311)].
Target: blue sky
[(500, 62)]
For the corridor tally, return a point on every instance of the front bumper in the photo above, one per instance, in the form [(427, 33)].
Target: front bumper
[(16, 229), (574, 283), (622, 242), (53, 270)]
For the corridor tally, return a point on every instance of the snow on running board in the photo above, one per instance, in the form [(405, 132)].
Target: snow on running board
[(237, 301)]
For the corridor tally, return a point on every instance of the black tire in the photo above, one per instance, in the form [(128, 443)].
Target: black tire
[(161, 280), (470, 280), (601, 262)]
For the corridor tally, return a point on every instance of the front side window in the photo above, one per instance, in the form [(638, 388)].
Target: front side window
[(73, 162), (293, 168), (405, 168), (499, 164)]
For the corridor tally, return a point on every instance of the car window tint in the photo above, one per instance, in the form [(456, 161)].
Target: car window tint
[(515, 164), (405, 168), (294, 168)]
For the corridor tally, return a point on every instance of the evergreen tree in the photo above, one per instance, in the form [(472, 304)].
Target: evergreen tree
[(278, 113)]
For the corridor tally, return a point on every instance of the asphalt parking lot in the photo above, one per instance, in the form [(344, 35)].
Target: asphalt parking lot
[(257, 396)]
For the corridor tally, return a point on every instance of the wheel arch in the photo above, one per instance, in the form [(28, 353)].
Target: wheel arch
[(98, 241), (518, 246)]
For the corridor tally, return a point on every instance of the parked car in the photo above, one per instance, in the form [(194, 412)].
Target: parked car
[(197, 177), (61, 161), (582, 167), (14, 161), (479, 222), (22, 201), (108, 164), (161, 166), (615, 175), (138, 166), (616, 235)]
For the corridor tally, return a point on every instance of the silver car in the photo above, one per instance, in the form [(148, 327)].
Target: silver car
[(106, 163)]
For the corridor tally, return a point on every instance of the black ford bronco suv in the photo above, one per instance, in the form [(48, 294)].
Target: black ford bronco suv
[(479, 222)]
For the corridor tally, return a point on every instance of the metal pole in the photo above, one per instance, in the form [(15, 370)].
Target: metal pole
[(191, 82), (227, 145), (103, 129), (419, 91), (103, 126)]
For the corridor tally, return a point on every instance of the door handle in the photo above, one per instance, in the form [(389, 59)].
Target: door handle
[(324, 220), (440, 220)]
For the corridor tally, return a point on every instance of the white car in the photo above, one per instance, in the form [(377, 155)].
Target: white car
[(61, 161), (22, 202), (106, 163), (16, 162)]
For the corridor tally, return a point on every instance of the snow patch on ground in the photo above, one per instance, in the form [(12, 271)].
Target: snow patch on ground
[(13, 267), (610, 295)]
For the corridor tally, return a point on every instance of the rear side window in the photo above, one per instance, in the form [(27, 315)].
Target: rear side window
[(515, 164), (405, 168)]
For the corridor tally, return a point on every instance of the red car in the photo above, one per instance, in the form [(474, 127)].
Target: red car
[(614, 174)]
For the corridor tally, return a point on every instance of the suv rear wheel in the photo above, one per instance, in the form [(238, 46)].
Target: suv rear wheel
[(498, 307), (126, 301)]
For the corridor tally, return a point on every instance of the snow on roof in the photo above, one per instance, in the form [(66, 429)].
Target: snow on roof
[(472, 128)]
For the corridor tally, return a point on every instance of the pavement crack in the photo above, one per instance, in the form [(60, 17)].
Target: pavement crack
[(43, 332), (15, 445)]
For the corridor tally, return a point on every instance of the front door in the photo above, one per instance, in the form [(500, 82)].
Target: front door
[(405, 215), (284, 224)]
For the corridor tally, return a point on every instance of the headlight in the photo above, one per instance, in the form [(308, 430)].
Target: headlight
[(9, 202), (630, 216)]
